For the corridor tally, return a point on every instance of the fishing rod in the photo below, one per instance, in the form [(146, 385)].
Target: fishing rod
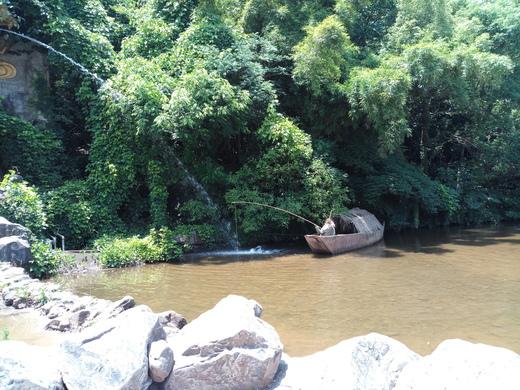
[(279, 209)]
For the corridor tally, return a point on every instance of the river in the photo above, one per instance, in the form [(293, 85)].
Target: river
[(419, 288)]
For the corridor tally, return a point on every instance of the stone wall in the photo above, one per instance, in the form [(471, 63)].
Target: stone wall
[(16, 93)]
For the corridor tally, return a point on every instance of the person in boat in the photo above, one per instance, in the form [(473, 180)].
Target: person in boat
[(328, 228)]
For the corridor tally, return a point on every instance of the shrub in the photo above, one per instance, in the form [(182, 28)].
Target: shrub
[(164, 238), (36, 152), (21, 203), (45, 261), (157, 246), (70, 213)]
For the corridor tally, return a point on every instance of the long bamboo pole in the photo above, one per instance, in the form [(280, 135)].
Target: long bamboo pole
[(279, 209)]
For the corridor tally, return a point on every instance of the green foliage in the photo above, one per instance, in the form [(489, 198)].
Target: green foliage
[(151, 38), (195, 211), (45, 261), (324, 57), (158, 194), (70, 212), (398, 188), (158, 245), (204, 108), (21, 203), (5, 334), (34, 152), (417, 19), (284, 175), (206, 233), (177, 13), (367, 21), (257, 14), (43, 298), (381, 94)]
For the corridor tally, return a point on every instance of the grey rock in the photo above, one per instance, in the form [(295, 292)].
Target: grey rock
[(56, 311), (59, 324), (371, 362), (160, 360), (79, 318), (172, 322), (15, 250), (24, 366), (112, 354), (8, 229), (68, 320), (228, 347), (461, 365), (116, 308)]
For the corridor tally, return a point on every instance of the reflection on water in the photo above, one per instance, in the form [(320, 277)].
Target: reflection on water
[(419, 288)]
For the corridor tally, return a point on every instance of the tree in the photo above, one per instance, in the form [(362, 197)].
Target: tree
[(324, 56)]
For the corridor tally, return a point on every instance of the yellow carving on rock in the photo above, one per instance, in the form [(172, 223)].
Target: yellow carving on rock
[(7, 71)]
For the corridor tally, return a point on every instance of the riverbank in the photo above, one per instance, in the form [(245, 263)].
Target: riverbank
[(119, 345)]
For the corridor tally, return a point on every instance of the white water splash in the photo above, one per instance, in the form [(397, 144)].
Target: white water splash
[(256, 251)]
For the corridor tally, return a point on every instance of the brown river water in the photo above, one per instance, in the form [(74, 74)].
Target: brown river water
[(419, 288)]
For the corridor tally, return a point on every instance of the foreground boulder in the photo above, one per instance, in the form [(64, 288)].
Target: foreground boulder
[(24, 366), (112, 354), (8, 229), (15, 250), (461, 365), (160, 360), (227, 348), (367, 362)]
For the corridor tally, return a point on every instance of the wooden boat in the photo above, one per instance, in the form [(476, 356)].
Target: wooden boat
[(355, 230)]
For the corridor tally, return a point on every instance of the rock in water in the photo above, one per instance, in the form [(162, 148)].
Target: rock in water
[(24, 366), (461, 365), (8, 229), (160, 360), (112, 354), (15, 250), (227, 348), (371, 362)]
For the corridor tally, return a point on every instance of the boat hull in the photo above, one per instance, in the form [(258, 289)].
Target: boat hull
[(341, 243)]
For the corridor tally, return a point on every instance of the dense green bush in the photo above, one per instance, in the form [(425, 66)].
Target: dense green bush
[(71, 213), (158, 245), (45, 261), (21, 203), (34, 151)]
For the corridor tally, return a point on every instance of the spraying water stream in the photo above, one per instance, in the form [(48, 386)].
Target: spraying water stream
[(59, 53)]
